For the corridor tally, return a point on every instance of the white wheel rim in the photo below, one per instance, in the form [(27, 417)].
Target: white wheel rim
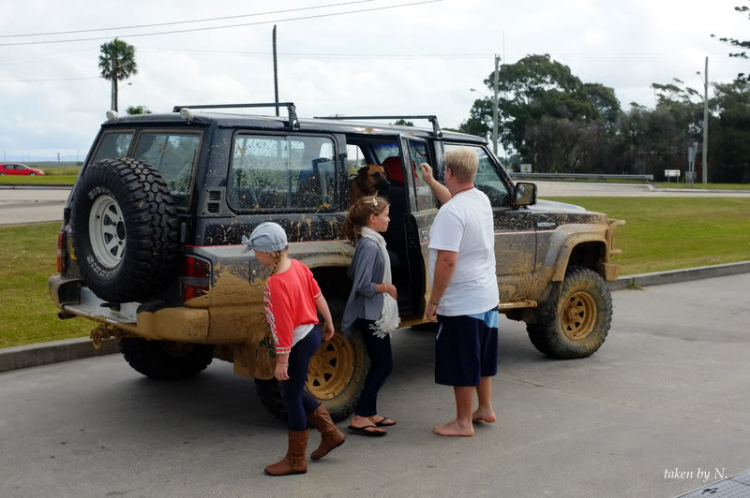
[(107, 231)]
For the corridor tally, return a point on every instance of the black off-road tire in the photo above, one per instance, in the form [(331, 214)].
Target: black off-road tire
[(574, 321), (271, 397), (165, 359), (149, 229), (342, 405)]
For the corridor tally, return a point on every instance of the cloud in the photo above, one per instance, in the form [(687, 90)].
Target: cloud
[(420, 59)]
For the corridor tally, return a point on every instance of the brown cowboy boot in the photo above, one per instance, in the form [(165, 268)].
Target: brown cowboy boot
[(294, 462), (332, 437)]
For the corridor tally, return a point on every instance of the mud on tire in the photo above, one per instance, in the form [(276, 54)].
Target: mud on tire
[(126, 230), (166, 359), (335, 377), (574, 321)]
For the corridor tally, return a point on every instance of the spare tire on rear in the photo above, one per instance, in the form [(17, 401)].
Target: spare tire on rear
[(125, 230)]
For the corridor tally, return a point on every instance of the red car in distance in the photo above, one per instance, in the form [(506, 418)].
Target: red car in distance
[(18, 169)]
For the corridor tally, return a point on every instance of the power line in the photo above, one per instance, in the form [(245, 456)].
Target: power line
[(186, 22), (303, 55), (138, 35), (37, 80)]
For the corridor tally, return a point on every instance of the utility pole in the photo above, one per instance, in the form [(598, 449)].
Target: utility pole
[(705, 126), (275, 72), (494, 108)]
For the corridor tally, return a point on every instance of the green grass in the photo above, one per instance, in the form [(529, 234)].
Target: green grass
[(38, 180), (711, 186), (661, 234), (667, 234), (52, 174), (27, 259), (61, 171)]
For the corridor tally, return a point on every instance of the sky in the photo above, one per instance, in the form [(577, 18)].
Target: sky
[(348, 57)]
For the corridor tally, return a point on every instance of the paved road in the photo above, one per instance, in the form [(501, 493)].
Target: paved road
[(31, 206), (668, 390), (28, 206)]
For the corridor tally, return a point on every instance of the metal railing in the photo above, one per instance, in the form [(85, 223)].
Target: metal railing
[(581, 176)]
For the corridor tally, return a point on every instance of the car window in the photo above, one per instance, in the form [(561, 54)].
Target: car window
[(487, 180), (282, 172), (423, 193), (113, 145), (174, 155), (385, 150), (355, 158)]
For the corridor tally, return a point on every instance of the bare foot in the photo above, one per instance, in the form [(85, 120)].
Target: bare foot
[(454, 428), (483, 415)]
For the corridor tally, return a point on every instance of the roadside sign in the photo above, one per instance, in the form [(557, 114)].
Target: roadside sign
[(525, 168), (672, 173)]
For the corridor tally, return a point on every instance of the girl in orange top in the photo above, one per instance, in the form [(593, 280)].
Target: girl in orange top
[(292, 299)]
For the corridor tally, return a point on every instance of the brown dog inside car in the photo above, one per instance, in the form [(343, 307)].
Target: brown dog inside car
[(370, 180)]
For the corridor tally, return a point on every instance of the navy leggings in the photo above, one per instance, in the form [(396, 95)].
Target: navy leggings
[(381, 366), (298, 402)]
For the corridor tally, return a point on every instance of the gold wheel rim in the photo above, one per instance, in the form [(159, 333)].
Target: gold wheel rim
[(579, 316), (331, 368)]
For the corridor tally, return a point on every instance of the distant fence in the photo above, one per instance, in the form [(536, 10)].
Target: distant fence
[(581, 176)]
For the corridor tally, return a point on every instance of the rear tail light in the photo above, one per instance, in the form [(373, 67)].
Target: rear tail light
[(60, 245), (196, 277)]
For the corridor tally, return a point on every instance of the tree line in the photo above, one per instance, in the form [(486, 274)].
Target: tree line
[(558, 123)]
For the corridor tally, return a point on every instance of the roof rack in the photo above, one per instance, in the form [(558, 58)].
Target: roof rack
[(431, 118), (293, 120)]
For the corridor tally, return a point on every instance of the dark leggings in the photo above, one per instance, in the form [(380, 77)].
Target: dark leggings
[(381, 366), (299, 402)]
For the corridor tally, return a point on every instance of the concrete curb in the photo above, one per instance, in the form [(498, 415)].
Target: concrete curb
[(676, 276), (44, 353)]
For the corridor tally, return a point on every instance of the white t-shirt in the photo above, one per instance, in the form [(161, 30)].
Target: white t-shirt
[(464, 225)]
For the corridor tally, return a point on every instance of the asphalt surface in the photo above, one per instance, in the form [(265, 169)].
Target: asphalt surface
[(668, 390), (31, 206), (34, 206)]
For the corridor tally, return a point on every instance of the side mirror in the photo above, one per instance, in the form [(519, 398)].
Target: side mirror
[(524, 194)]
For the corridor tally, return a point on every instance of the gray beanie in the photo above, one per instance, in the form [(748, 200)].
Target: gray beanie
[(267, 237)]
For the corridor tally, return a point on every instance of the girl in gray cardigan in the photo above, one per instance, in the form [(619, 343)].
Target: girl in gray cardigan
[(372, 308)]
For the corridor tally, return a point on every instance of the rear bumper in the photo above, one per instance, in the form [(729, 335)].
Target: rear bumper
[(173, 324)]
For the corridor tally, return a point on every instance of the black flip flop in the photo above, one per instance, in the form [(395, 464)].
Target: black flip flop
[(382, 423), (362, 431)]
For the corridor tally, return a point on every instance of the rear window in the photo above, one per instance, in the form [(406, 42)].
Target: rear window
[(282, 173), (113, 145), (174, 155)]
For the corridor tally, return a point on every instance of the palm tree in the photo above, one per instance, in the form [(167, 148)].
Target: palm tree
[(137, 109), (117, 62)]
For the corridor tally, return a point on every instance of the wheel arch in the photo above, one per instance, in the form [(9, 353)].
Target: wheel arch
[(582, 249)]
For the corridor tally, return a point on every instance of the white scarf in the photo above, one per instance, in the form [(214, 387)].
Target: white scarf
[(389, 319)]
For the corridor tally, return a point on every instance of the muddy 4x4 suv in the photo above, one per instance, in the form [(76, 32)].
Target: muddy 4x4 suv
[(150, 244)]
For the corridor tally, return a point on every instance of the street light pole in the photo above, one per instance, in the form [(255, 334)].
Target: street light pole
[(705, 126), (275, 72), (494, 108)]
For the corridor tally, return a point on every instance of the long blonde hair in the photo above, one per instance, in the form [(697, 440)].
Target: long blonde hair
[(277, 255), (359, 213)]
